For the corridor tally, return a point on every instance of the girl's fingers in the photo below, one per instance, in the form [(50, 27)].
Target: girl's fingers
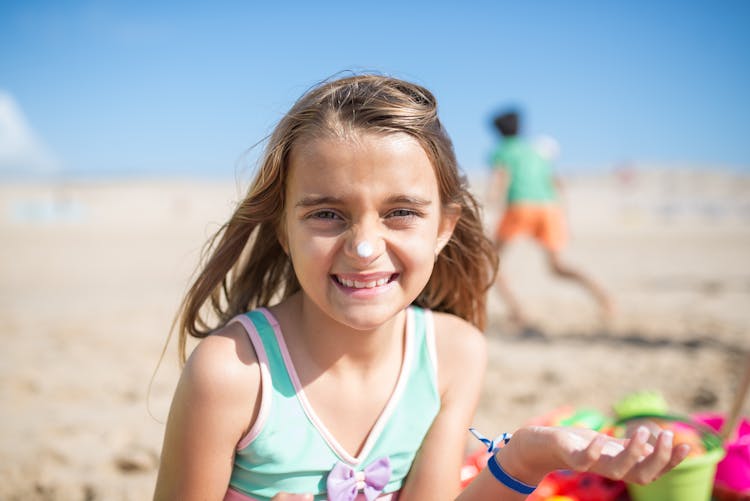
[(660, 461), (583, 458), (621, 465), (679, 453)]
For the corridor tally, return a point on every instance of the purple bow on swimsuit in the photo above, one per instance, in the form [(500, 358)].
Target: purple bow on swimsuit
[(344, 483)]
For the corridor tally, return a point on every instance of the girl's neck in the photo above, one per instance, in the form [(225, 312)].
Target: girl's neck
[(314, 338)]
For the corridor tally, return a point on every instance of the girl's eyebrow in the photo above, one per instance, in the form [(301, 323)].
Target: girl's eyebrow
[(409, 200), (316, 200)]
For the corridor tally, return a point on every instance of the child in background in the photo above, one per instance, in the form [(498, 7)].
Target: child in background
[(522, 176), (340, 310)]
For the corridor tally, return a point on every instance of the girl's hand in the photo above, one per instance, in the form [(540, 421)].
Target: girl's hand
[(539, 450), (285, 496)]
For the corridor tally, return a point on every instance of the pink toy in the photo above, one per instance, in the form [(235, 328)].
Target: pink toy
[(733, 472)]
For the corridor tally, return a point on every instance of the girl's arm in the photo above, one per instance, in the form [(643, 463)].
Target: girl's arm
[(208, 417), (535, 451), (531, 454), (461, 354)]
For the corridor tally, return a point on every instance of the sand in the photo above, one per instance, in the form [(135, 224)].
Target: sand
[(91, 273)]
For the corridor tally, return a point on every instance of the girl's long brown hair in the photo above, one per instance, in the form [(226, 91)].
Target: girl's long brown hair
[(244, 266)]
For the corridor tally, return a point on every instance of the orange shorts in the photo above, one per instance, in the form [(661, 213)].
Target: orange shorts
[(545, 223)]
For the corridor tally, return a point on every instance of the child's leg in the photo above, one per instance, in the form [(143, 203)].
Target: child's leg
[(515, 313), (552, 235), (565, 271)]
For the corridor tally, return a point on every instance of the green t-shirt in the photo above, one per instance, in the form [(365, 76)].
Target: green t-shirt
[(530, 174)]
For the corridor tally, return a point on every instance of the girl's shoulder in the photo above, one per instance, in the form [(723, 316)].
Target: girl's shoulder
[(460, 346), (224, 360), (228, 344), (214, 405), (453, 332)]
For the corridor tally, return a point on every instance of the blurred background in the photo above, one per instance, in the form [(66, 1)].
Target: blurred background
[(126, 137), (99, 88)]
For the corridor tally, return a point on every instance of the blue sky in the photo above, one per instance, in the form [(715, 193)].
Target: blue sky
[(187, 87)]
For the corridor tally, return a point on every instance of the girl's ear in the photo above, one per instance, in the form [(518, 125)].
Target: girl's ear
[(448, 221)]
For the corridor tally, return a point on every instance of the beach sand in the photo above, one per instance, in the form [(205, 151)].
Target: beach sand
[(92, 272)]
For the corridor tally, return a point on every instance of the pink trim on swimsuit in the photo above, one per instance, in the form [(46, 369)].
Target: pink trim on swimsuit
[(310, 412), (233, 495), (265, 381)]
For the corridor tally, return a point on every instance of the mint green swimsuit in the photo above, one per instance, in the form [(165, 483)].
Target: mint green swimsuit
[(289, 449)]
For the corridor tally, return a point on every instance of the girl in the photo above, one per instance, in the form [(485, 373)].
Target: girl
[(361, 258)]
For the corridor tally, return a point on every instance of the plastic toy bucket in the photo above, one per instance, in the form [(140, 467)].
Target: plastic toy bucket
[(691, 480)]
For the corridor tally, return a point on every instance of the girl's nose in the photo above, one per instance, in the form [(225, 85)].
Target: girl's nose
[(364, 242), (364, 249)]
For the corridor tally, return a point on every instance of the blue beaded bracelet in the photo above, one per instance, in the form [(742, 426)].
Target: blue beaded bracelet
[(505, 479)]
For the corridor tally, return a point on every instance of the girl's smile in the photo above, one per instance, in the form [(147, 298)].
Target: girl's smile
[(365, 285), (368, 281)]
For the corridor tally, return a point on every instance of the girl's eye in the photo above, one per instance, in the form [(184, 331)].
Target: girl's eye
[(401, 213), (325, 214)]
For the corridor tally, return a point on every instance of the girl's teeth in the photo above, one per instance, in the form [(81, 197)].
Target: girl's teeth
[(363, 285)]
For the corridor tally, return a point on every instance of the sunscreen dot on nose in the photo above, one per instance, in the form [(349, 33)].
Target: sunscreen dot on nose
[(364, 249)]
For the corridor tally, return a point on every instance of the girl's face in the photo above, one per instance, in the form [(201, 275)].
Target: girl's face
[(365, 188)]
